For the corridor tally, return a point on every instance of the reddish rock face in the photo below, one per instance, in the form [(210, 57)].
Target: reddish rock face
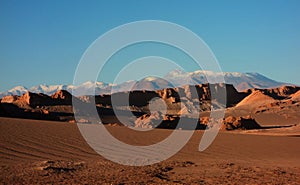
[(34, 100), (185, 102), (38, 106), (149, 120), (62, 97), (233, 123), (9, 99), (282, 92)]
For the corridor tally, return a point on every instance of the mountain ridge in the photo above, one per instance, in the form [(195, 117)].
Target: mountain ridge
[(175, 78)]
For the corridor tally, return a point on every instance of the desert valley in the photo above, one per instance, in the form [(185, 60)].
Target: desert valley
[(150, 92), (258, 142)]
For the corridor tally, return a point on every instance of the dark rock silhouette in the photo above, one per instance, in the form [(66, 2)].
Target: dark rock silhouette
[(244, 123), (138, 107)]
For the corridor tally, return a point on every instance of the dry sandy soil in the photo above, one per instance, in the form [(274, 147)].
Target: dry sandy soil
[(45, 152)]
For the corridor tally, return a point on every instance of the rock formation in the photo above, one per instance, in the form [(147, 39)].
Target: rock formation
[(244, 123)]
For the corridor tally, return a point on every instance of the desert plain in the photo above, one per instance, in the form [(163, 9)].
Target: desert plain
[(34, 151)]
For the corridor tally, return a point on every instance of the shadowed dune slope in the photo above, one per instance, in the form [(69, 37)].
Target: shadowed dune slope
[(296, 96)]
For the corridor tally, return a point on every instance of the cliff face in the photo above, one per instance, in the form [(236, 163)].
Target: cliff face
[(176, 99), (38, 106), (34, 100), (9, 99), (281, 92), (199, 93), (277, 93), (171, 103)]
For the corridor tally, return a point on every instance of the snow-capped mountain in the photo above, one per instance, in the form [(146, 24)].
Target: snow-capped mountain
[(90, 88), (18, 90), (82, 89), (49, 89), (241, 81), (176, 78)]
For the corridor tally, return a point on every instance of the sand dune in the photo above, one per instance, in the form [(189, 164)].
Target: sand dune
[(296, 96), (40, 152), (255, 99)]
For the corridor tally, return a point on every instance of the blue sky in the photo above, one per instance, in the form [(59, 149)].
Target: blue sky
[(41, 42)]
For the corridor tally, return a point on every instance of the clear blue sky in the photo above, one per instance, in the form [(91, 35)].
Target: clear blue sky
[(41, 42)]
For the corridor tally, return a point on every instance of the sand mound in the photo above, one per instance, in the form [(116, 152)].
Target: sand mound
[(296, 96), (256, 98)]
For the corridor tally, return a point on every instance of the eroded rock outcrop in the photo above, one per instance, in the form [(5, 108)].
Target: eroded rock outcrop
[(62, 97), (158, 120), (232, 123), (244, 123), (149, 120), (9, 99)]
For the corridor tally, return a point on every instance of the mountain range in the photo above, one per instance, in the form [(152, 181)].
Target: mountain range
[(176, 78)]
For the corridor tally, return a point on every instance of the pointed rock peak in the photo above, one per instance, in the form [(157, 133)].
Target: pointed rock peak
[(25, 99), (62, 94), (27, 94)]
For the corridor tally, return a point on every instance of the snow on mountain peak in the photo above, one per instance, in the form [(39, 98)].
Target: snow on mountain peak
[(17, 89), (177, 78), (150, 78)]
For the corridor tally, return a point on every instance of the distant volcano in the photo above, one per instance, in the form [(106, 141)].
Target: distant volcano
[(176, 78)]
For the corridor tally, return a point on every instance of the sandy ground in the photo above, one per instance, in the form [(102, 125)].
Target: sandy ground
[(45, 152)]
